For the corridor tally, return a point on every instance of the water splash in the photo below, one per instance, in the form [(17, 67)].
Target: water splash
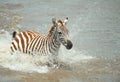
[(73, 56)]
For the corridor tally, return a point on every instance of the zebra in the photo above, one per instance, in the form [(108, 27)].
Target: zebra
[(32, 42)]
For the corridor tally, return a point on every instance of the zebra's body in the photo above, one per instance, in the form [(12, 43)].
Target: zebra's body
[(32, 42)]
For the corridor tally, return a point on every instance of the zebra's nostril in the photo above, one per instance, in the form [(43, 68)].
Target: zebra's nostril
[(69, 44)]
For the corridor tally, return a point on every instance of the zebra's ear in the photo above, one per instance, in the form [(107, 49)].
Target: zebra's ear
[(54, 21), (66, 20)]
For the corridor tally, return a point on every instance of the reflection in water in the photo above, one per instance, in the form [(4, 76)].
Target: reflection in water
[(93, 29)]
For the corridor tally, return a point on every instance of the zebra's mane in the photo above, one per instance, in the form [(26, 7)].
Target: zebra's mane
[(52, 30), (59, 21)]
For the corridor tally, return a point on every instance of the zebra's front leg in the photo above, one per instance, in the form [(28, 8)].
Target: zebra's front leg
[(53, 62)]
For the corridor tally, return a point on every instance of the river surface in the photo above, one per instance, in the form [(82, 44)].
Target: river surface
[(94, 29)]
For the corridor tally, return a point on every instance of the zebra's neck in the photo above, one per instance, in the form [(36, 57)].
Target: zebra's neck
[(55, 44), (56, 40)]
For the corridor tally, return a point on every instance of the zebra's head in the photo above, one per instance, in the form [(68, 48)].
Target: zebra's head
[(62, 33)]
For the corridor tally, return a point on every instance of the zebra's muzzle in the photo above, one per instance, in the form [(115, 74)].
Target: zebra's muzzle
[(69, 44)]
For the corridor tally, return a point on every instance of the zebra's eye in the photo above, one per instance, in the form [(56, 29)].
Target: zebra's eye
[(60, 33)]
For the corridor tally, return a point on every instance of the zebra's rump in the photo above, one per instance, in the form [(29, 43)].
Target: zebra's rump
[(22, 39)]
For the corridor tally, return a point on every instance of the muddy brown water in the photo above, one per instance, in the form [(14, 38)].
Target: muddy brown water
[(91, 71)]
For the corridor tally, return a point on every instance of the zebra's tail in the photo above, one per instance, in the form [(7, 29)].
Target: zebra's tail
[(14, 34)]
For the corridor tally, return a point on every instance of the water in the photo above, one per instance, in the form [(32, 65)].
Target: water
[(94, 31)]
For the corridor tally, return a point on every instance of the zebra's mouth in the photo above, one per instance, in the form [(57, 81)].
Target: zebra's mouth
[(69, 44)]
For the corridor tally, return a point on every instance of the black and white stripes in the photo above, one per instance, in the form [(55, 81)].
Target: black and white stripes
[(32, 42)]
